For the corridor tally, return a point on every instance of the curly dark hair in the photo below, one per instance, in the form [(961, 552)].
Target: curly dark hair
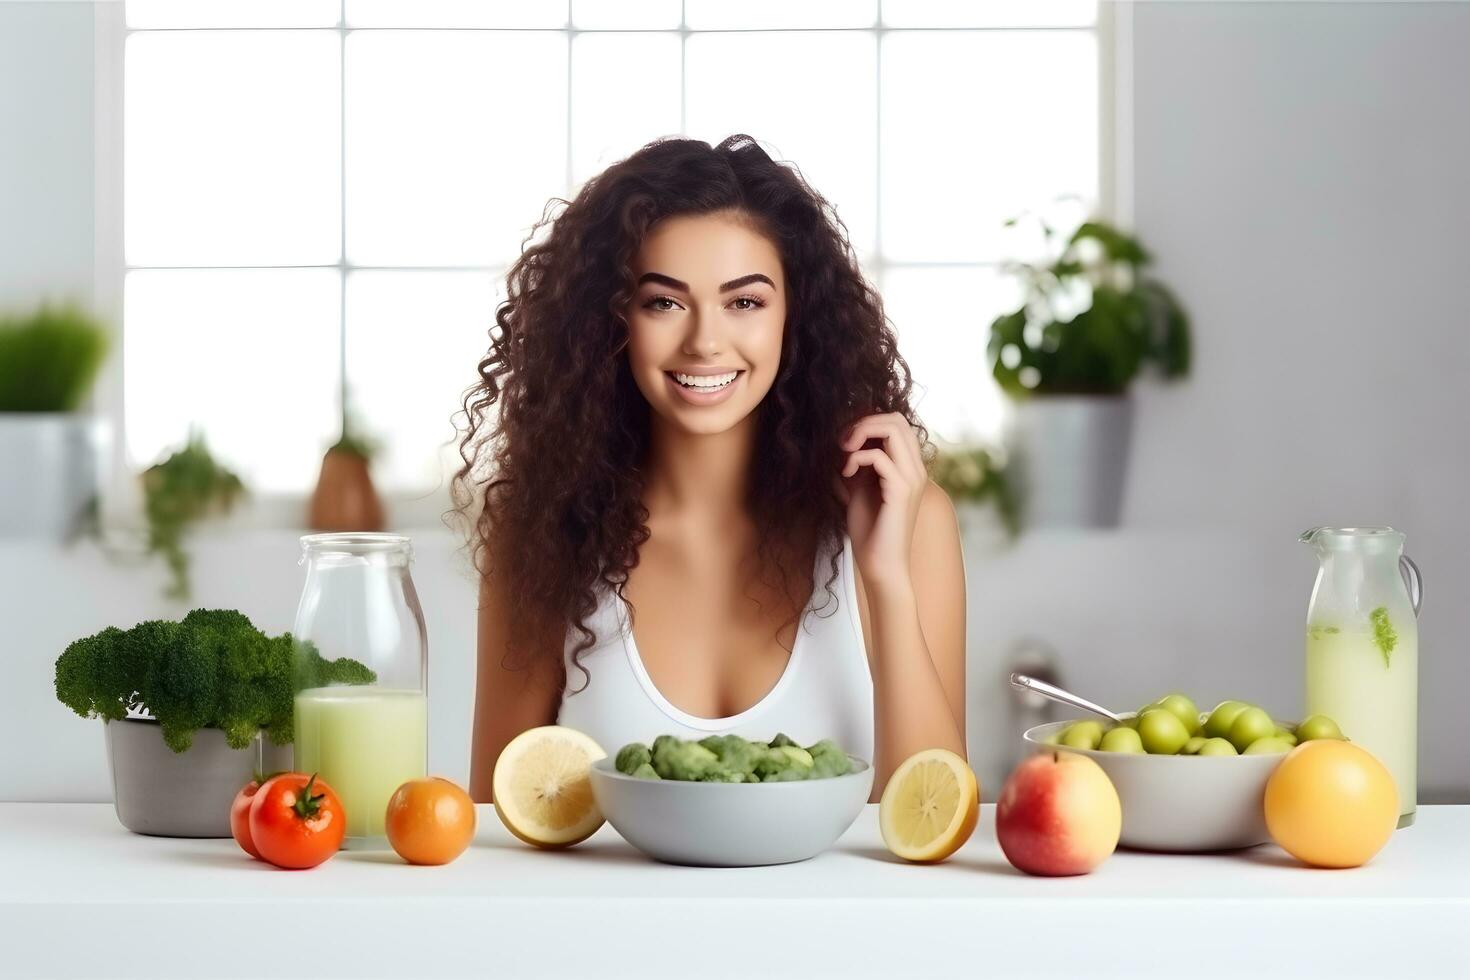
[(555, 432)]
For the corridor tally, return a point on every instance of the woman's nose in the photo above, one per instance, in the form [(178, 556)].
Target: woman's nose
[(703, 339)]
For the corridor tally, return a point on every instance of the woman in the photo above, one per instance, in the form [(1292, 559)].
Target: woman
[(692, 402)]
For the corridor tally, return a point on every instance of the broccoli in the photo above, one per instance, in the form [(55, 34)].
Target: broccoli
[(828, 759), (645, 771), (787, 762), (736, 755), (631, 757), (674, 758), (781, 740), (213, 669)]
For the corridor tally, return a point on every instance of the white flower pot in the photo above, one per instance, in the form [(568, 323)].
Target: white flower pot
[(48, 476), (1071, 457)]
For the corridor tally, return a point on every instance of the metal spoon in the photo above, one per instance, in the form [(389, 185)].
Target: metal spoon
[(1024, 683)]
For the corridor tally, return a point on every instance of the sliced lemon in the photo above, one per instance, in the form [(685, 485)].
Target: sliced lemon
[(930, 806), (543, 793)]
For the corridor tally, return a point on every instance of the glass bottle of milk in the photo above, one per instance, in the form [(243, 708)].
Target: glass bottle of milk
[(364, 740), (1363, 647)]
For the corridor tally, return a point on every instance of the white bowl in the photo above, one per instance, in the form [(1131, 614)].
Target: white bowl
[(1181, 802), (730, 825)]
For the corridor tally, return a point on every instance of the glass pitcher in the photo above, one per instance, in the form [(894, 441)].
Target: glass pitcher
[(363, 740), (1363, 647)]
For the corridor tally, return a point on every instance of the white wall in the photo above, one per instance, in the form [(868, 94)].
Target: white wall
[(1299, 169), (46, 216)]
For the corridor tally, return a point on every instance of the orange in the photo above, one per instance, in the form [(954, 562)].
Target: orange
[(430, 821), (1331, 804)]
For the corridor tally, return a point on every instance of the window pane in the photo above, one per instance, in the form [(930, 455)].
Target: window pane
[(989, 13), (250, 356), (723, 14), (817, 111), (414, 340), (978, 127), (625, 14), (456, 141), (625, 92), (232, 153), (233, 13), (942, 318), (457, 13)]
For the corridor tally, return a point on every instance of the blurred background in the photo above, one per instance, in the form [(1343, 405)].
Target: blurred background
[(259, 231)]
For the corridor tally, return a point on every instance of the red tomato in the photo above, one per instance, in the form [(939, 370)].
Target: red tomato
[(296, 821), (240, 817)]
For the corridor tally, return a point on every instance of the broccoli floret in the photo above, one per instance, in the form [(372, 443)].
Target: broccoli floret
[(828, 759), (674, 758), (212, 670), (735, 753), (644, 771), (723, 776), (781, 740), (631, 756), (792, 760)]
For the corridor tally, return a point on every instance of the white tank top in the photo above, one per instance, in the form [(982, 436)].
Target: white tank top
[(826, 690)]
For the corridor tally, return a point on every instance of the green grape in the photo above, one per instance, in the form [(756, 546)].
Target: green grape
[(1219, 721), (1269, 745), (1082, 735), (1192, 746), (1162, 732), (1286, 736), (1217, 746), (1182, 708), (1121, 740), (1249, 725), (1055, 738), (1317, 727)]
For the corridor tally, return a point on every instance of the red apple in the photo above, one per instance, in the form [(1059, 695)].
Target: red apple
[(1058, 815)]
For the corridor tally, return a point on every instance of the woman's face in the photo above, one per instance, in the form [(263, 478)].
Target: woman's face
[(706, 321)]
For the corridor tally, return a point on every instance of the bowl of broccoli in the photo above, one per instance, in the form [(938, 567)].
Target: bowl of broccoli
[(725, 801)]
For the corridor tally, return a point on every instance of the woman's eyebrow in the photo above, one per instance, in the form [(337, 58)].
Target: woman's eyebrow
[(746, 281), (663, 280)]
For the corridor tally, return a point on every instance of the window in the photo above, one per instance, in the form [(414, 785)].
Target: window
[(323, 196)]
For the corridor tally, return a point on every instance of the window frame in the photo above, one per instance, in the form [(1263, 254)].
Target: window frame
[(120, 495)]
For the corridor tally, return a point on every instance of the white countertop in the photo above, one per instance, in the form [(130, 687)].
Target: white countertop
[(81, 896)]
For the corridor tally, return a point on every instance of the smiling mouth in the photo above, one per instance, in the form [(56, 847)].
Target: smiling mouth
[(701, 382)]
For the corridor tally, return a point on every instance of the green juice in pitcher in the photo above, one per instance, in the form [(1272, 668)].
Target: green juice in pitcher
[(1362, 649), (364, 742), (1373, 696)]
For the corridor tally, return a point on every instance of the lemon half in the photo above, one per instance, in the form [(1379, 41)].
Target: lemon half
[(930, 806), (543, 793)]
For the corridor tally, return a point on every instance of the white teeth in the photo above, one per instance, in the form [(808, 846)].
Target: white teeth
[(705, 381)]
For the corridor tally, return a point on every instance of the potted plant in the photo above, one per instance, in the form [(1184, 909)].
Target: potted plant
[(178, 491), (1091, 321), (48, 362), (185, 705), (973, 477), (344, 498)]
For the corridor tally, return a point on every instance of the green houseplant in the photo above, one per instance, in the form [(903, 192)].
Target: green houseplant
[(1091, 321), (178, 491), (974, 475), (49, 359), (185, 705)]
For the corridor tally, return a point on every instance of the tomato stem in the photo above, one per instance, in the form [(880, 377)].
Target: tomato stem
[(306, 805)]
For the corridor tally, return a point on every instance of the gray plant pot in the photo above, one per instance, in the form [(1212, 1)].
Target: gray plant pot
[(49, 474), (1071, 455), (164, 793)]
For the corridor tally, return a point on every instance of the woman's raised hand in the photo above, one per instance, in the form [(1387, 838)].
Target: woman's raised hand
[(882, 487)]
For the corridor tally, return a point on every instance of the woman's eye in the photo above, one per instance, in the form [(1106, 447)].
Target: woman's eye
[(754, 302), (653, 304)]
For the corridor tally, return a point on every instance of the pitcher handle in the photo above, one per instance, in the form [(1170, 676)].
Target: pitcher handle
[(1413, 580)]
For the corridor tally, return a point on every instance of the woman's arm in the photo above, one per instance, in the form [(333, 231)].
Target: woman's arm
[(918, 657), (507, 702), (906, 544)]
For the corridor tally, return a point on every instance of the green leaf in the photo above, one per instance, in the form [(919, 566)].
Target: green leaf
[(1384, 635)]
